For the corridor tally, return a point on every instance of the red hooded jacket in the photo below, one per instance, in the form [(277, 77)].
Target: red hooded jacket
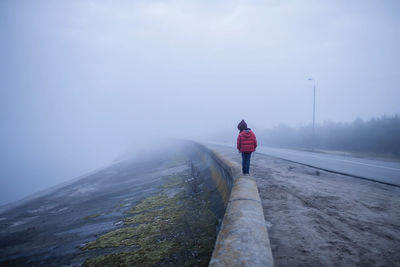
[(246, 141)]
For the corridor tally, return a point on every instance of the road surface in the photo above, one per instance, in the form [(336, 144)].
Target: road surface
[(320, 218), (377, 170)]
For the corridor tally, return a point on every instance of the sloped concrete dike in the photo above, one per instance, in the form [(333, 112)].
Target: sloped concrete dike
[(165, 208), (243, 238)]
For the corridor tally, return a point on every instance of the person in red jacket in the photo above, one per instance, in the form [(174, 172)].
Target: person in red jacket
[(246, 144)]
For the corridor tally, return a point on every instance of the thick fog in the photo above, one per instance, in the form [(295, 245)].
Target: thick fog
[(84, 81)]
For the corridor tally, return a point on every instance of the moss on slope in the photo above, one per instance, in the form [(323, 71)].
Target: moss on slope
[(163, 230)]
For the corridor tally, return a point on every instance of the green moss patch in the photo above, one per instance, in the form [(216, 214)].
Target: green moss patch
[(163, 230)]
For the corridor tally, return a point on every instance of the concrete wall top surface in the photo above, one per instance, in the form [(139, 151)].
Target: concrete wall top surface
[(243, 238)]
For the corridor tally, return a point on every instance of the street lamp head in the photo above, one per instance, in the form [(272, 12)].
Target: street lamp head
[(310, 79)]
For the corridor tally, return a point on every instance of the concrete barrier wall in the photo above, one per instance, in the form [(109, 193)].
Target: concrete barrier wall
[(243, 238)]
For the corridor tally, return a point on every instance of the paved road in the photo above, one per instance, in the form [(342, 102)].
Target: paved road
[(377, 170), (327, 219), (382, 171)]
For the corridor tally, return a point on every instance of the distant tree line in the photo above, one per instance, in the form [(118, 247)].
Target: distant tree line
[(377, 135)]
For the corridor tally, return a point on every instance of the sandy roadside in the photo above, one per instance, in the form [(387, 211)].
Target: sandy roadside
[(317, 218)]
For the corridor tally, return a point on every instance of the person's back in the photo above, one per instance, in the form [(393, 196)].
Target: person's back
[(247, 141), (246, 144)]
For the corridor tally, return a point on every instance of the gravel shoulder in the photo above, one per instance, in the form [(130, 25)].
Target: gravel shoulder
[(318, 218)]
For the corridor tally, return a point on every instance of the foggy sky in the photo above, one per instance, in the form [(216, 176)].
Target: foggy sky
[(81, 81)]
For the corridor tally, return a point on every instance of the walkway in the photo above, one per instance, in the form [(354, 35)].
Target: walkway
[(318, 218)]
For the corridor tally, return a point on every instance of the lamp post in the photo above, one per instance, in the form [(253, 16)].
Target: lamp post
[(313, 122)]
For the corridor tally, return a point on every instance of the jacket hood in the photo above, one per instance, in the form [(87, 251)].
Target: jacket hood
[(246, 132)]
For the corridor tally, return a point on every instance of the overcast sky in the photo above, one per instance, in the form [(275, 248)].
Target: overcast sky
[(83, 80)]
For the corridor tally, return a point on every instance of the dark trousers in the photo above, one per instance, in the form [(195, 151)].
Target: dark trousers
[(246, 162)]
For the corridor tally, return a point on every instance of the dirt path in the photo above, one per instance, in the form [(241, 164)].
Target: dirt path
[(317, 218)]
